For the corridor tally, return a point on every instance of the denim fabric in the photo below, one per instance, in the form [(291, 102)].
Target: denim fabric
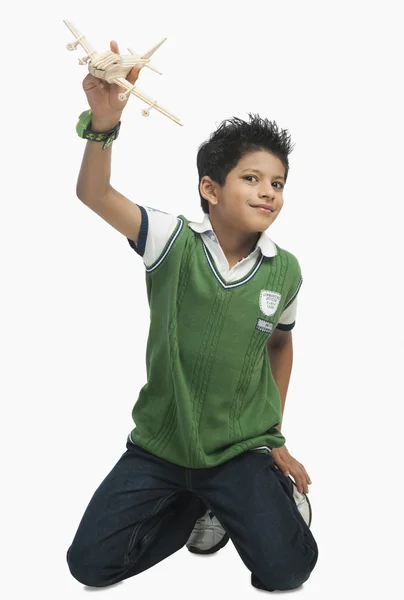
[(146, 508)]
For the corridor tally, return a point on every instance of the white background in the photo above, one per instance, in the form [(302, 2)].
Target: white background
[(74, 310)]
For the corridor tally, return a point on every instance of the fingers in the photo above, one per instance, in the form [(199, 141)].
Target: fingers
[(306, 479), (302, 485), (282, 467), (302, 479), (114, 46), (307, 475), (134, 72), (285, 470), (296, 470)]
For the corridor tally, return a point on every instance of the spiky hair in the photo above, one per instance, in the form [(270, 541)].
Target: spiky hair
[(233, 139)]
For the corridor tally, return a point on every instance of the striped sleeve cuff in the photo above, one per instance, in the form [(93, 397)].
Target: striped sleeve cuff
[(140, 247), (287, 327)]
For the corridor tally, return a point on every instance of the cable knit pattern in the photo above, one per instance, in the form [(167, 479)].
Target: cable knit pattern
[(210, 394)]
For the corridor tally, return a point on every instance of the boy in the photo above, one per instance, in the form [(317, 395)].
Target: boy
[(222, 302)]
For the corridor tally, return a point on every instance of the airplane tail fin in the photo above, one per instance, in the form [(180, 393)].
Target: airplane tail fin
[(153, 50), (149, 54)]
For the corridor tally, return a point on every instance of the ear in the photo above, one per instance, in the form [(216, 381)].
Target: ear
[(208, 190)]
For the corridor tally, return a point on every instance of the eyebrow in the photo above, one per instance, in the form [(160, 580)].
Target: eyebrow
[(260, 173)]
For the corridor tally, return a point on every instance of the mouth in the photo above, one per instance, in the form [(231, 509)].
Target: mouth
[(264, 208)]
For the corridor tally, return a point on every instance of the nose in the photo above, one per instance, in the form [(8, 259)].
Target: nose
[(267, 192)]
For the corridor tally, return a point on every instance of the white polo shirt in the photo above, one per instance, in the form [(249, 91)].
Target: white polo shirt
[(157, 228)]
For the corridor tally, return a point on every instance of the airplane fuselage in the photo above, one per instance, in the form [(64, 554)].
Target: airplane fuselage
[(110, 73)]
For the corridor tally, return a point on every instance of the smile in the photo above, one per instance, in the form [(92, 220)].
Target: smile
[(264, 210)]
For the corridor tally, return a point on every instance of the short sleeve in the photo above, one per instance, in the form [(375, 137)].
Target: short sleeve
[(287, 320), (155, 231)]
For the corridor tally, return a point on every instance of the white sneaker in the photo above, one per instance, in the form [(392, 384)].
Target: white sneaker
[(208, 535), (302, 503)]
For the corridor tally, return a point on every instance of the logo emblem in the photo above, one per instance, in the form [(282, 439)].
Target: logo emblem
[(269, 302), (264, 326)]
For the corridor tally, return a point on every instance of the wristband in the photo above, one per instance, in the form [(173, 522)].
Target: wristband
[(83, 129)]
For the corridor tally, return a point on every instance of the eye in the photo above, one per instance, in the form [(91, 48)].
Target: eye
[(281, 186)]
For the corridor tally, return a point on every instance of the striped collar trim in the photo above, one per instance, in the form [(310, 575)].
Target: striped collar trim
[(234, 284)]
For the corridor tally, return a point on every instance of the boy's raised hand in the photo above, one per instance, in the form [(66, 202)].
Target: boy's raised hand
[(290, 466), (103, 97)]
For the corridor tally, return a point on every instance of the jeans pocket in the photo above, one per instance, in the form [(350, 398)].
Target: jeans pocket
[(285, 481)]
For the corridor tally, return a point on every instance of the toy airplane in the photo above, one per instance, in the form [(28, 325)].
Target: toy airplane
[(115, 67)]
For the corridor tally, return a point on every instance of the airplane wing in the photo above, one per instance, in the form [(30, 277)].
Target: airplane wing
[(80, 37), (124, 83)]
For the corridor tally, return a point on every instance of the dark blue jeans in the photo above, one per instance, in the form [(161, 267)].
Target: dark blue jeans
[(146, 508)]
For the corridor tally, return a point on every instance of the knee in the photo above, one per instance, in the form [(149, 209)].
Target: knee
[(84, 569), (289, 580), (287, 575), (279, 581)]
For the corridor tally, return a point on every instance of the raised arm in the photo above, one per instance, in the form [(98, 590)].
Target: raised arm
[(93, 184)]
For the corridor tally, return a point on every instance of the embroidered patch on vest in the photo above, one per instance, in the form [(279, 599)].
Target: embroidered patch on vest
[(269, 302), (265, 326)]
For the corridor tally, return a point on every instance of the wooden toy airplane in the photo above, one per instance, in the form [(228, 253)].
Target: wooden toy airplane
[(115, 67)]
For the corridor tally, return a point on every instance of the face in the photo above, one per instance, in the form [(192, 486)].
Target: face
[(257, 179)]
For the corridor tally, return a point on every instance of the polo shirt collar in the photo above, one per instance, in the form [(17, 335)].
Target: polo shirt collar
[(265, 244)]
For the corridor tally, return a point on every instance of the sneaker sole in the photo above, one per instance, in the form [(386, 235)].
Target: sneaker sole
[(212, 550)]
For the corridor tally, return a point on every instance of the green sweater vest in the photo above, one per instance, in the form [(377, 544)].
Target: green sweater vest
[(210, 394)]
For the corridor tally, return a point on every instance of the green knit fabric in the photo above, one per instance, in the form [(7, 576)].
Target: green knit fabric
[(210, 394)]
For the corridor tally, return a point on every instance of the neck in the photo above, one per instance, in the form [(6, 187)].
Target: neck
[(235, 244)]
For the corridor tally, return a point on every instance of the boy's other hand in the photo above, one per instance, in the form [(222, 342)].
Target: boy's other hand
[(103, 97), (290, 466)]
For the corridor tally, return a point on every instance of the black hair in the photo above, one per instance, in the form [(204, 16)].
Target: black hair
[(233, 139)]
